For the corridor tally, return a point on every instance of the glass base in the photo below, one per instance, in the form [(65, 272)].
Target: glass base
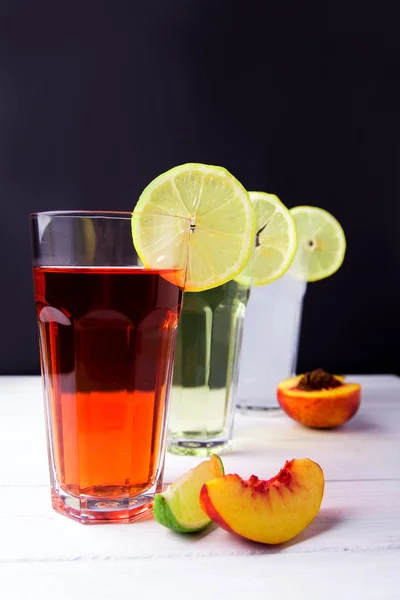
[(257, 409), (96, 510), (198, 448)]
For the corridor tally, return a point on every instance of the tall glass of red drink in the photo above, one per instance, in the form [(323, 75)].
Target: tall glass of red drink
[(107, 327)]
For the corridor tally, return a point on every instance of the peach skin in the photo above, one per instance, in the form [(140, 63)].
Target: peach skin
[(319, 400), (270, 512)]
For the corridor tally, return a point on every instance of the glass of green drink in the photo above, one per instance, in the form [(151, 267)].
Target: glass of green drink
[(206, 370), (209, 340), (221, 241)]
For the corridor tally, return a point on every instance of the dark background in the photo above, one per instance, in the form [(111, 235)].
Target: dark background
[(299, 99)]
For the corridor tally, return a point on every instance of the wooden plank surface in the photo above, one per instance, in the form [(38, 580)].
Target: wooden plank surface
[(351, 550), (369, 576)]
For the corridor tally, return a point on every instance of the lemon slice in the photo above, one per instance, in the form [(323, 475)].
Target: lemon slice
[(178, 507), (322, 243), (276, 240), (221, 217)]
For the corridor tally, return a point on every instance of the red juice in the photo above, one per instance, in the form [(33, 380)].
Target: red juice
[(107, 338)]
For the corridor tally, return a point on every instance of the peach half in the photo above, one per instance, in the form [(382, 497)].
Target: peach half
[(323, 408), (270, 512)]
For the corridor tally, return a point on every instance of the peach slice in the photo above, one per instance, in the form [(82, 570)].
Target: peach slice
[(321, 408), (270, 512)]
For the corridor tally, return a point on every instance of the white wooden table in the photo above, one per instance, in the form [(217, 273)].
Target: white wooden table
[(351, 550)]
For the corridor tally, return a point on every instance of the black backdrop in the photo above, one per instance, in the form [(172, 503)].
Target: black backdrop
[(299, 99)]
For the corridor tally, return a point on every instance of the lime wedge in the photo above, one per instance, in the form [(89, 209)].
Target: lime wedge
[(276, 241), (221, 216), (322, 243), (178, 507)]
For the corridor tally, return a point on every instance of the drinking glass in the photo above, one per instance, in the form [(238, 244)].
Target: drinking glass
[(206, 370), (270, 341), (107, 329)]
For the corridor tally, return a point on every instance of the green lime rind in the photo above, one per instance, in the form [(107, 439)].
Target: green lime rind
[(164, 516), (178, 507), (221, 464)]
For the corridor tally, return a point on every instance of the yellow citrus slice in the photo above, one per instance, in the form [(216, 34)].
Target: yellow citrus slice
[(221, 216), (276, 241), (321, 246)]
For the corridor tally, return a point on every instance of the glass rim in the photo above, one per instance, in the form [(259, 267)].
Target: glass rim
[(111, 214)]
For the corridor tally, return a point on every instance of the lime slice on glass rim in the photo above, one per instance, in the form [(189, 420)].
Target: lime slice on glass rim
[(321, 244), (276, 241), (221, 216), (178, 507)]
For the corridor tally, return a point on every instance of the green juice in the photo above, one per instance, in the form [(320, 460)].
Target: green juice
[(206, 369)]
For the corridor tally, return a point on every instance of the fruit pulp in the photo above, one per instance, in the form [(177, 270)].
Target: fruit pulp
[(206, 369), (107, 337)]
